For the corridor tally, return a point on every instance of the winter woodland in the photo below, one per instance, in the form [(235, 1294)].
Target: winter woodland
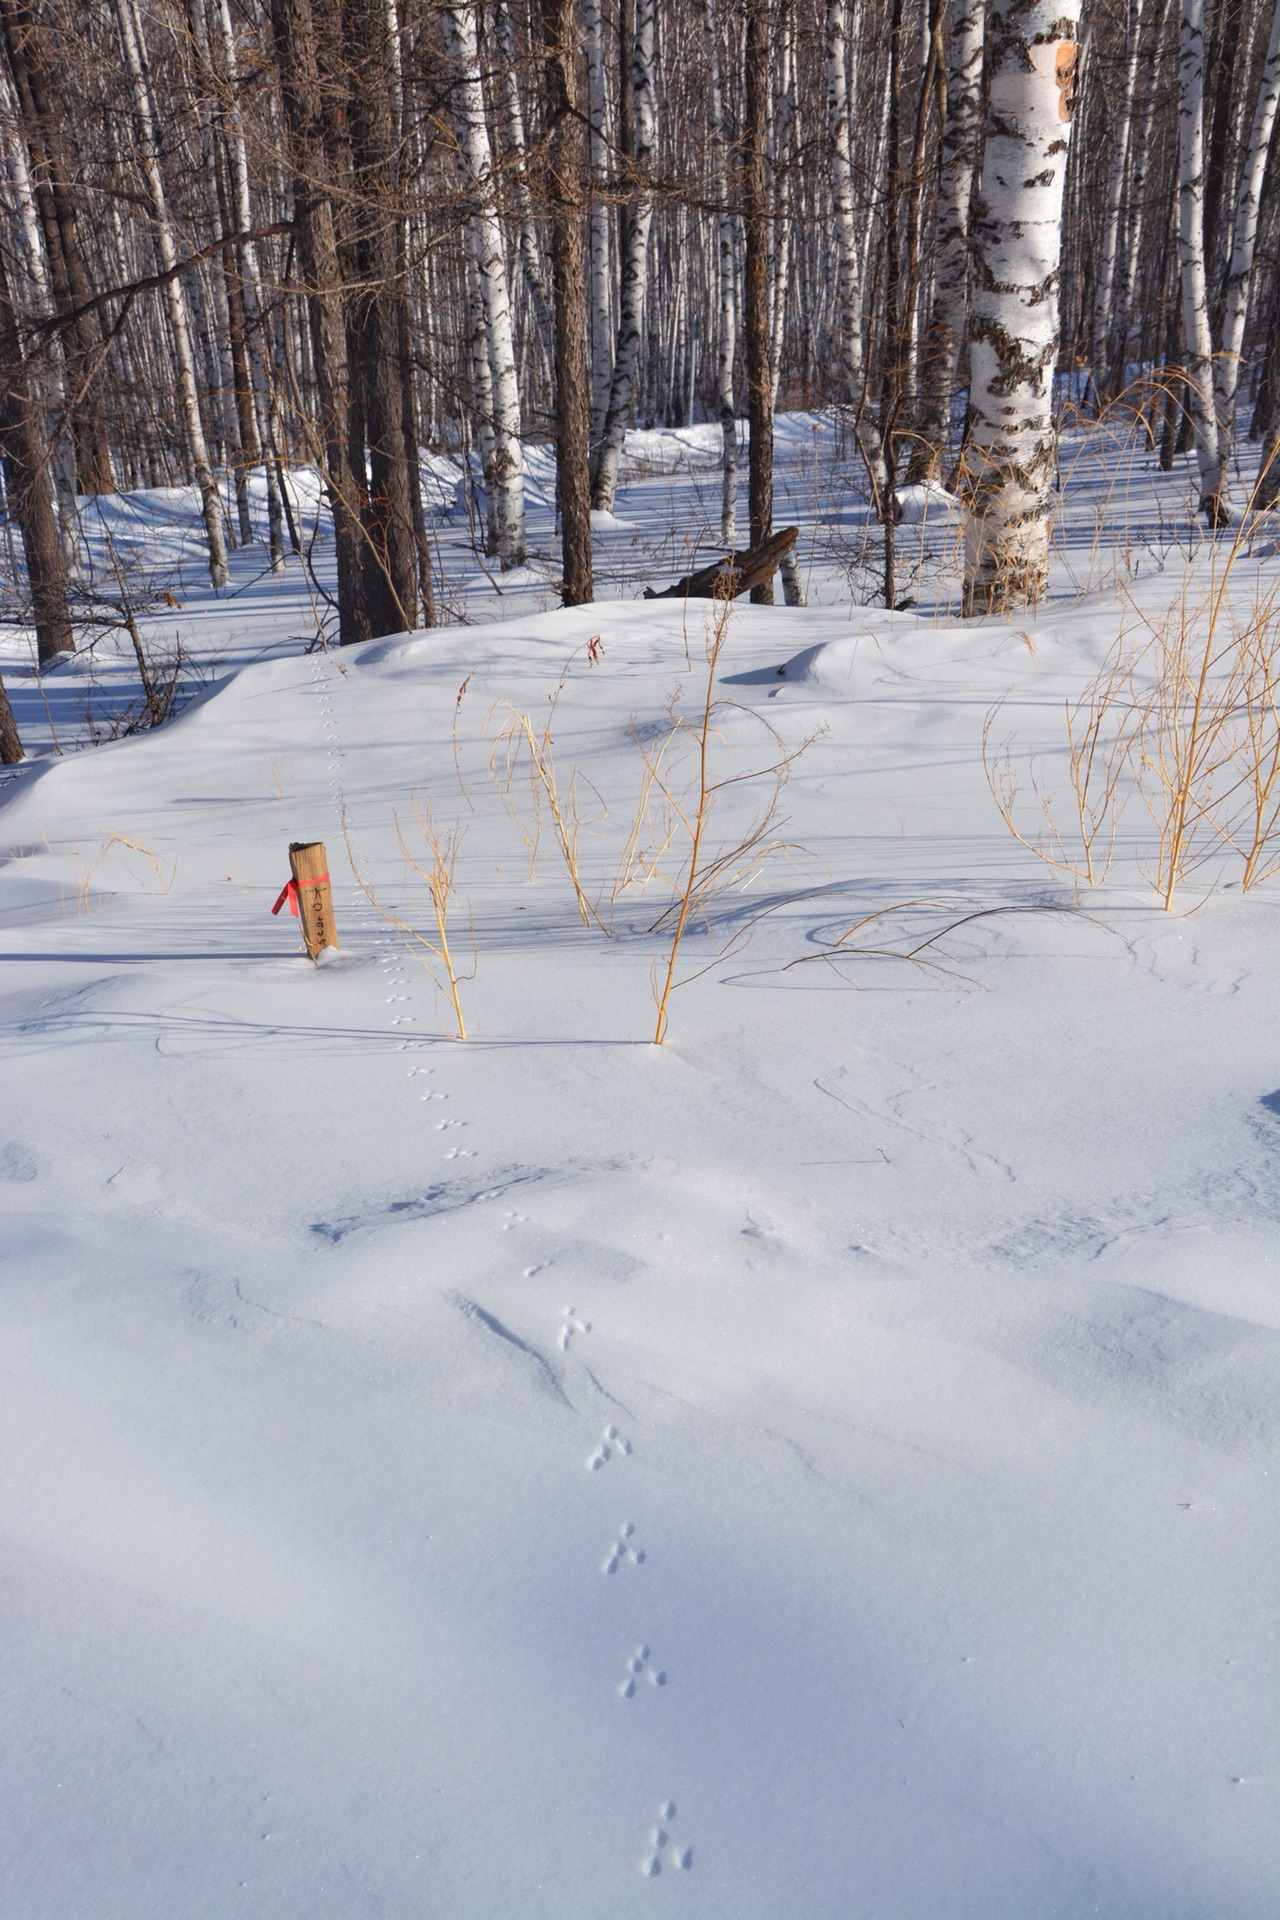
[(718, 1351)]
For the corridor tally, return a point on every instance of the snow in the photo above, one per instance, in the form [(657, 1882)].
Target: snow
[(888, 1361)]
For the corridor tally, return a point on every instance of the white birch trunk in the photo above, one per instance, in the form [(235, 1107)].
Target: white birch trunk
[(783, 107), (1137, 199), (634, 269), (148, 158), (1244, 241), (476, 160), (847, 234), (726, 282), (1013, 329), (251, 280), (530, 252), (842, 189), (1191, 261), (1116, 177), (61, 455), (600, 295)]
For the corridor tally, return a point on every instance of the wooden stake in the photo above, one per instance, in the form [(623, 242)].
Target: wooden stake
[(310, 866)]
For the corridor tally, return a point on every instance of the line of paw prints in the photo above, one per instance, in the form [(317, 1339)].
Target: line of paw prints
[(611, 1442), (640, 1667), (661, 1848), (620, 1551)]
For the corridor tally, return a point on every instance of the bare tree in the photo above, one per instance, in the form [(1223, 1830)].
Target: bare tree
[(566, 174)]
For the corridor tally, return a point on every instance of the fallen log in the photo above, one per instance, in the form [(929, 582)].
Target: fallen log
[(726, 579)]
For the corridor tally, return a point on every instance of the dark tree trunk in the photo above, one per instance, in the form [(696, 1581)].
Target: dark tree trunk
[(426, 586), (308, 112), (10, 744), (566, 177), (757, 327), (391, 550), (27, 484), (42, 127)]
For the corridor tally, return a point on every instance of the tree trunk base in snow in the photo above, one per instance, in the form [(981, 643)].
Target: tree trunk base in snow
[(1003, 575), (10, 743)]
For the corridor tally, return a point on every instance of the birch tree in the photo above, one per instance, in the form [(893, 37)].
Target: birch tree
[(635, 260), (475, 156), (850, 249), (566, 174), (1013, 327), (1244, 240), (222, 37), (148, 156), (600, 303), (757, 329), (726, 280), (961, 143), (1196, 331)]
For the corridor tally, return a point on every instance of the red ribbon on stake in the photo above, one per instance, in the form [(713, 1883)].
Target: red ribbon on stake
[(289, 892)]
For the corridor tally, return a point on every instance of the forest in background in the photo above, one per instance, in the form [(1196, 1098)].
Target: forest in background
[(257, 234)]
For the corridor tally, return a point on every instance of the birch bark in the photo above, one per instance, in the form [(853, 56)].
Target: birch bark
[(250, 277), (565, 179), (1013, 328), (604, 484), (1197, 335), (601, 299), (1117, 175), (838, 132), (1244, 241), (726, 281), (530, 253), (138, 69), (756, 315), (476, 160)]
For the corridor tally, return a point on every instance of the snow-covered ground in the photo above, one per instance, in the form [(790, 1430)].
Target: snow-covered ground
[(818, 1467)]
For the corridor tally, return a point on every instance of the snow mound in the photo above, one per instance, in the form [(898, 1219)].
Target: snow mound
[(829, 665), (925, 502)]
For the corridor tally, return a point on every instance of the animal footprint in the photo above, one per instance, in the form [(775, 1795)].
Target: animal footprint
[(611, 1442), (442, 1124), (572, 1324), (640, 1666), (460, 1153), (514, 1220), (660, 1841), (619, 1552)]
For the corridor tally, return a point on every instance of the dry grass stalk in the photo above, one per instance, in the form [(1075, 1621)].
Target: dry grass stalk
[(434, 866), (519, 740), (1189, 719), (1099, 727), (702, 876)]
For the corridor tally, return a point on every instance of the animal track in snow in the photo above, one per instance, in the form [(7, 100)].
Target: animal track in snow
[(442, 1124), (640, 1667), (572, 1324), (514, 1220), (611, 1442), (660, 1842), (620, 1551), (460, 1153)]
